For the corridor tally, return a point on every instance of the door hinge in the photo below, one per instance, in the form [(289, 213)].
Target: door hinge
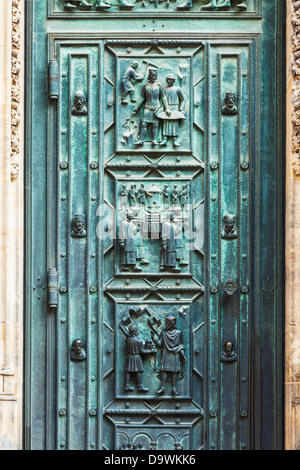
[(53, 79), (52, 288)]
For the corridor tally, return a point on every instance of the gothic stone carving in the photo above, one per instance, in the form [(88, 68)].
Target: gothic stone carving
[(295, 86), (15, 88), (173, 357)]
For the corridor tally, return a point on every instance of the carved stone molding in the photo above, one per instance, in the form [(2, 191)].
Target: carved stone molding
[(15, 87), (295, 12)]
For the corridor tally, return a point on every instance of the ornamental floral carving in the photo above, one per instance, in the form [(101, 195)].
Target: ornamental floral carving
[(15, 87)]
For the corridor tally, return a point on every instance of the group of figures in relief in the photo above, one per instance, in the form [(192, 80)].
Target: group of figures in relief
[(157, 105), (152, 213), (169, 341), (102, 5)]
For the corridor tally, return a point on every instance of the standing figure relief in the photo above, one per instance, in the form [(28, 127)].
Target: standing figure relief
[(153, 97)]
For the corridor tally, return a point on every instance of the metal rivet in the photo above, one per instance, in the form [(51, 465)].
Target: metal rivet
[(127, 420), (94, 165), (178, 173), (62, 412), (214, 198), (93, 379), (93, 444), (93, 255), (39, 298), (243, 446), (213, 379), (244, 256), (178, 296), (128, 159), (62, 444), (214, 165), (128, 173), (94, 132), (94, 75), (127, 281), (245, 198), (93, 412), (178, 405), (214, 74), (244, 132), (214, 132), (93, 198), (213, 446), (244, 322), (244, 379), (63, 378), (109, 351), (244, 413), (197, 351), (213, 413), (213, 322), (197, 104), (63, 132), (178, 282), (128, 296), (109, 104), (178, 159), (214, 290), (64, 75), (63, 198), (214, 256), (179, 49), (93, 320), (178, 420), (63, 320), (127, 404)]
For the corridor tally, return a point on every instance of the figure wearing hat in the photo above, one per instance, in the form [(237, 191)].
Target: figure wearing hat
[(153, 95), (176, 103), (79, 107), (128, 77), (172, 358)]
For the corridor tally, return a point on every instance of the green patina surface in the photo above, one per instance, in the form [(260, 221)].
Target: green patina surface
[(203, 184)]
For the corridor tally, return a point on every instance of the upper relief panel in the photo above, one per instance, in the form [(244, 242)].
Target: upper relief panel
[(138, 8)]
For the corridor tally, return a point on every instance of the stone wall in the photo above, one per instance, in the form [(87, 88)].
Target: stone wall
[(11, 222)]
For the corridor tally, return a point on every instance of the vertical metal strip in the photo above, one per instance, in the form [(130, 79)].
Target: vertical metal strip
[(58, 227), (69, 218), (100, 254), (88, 298), (207, 244), (219, 235), (239, 226), (251, 241)]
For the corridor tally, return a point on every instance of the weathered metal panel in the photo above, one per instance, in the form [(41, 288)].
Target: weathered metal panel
[(155, 186)]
